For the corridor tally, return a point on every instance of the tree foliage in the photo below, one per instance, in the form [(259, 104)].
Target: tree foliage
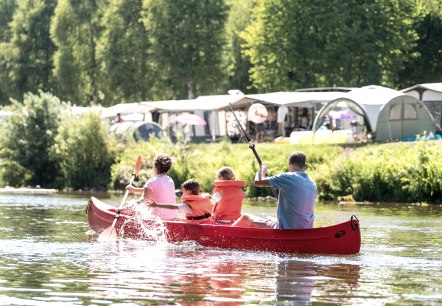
[(84, 152), (237, 63), (294, 44), (112, 51), (187, 41), (31, 47), (27, 138), (7, 8), (75, 29), (123, 53)]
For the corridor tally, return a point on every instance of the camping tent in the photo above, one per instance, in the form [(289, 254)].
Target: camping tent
[(388, 114), (139, 130), (431, 95)]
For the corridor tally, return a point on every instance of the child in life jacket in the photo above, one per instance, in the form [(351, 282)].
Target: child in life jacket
[(227, 196), (196, 205)]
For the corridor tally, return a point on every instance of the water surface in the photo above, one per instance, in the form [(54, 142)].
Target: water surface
[(47, 258)]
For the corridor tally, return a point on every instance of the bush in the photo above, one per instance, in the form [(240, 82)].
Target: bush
[(85, 152), (394, 172), (27, 138)]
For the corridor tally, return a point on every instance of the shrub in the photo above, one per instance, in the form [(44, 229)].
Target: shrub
[(85, 152), (27, 138)]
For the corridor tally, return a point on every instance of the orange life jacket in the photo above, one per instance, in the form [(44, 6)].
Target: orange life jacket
[(229, 207), (201, 206)]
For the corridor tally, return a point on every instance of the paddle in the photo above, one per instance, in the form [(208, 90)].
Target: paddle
[(110, 234), (251, 145)]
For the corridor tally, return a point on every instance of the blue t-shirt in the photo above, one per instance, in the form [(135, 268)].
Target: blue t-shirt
[(297, 194)]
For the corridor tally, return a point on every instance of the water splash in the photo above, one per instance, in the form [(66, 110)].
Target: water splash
[(149, 226)]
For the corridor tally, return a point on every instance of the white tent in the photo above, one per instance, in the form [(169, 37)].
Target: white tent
[(210, 108), (126, 109), (431, 95), (202, 103), (388, 114), (295, 98)]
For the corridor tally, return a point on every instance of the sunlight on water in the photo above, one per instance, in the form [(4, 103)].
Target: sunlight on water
[(47, 259)]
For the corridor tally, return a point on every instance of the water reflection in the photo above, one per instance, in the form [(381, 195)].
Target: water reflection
[(188, 273), (45, 257), (296, 280)]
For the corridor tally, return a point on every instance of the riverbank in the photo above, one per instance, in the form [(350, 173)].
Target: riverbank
[(27, 190)]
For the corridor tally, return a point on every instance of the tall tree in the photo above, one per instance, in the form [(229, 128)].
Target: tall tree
[(75, 29), (424, 62), (123, 53), (187, 42), (295, 43), (237, 63), (31, 46), (7, 9)]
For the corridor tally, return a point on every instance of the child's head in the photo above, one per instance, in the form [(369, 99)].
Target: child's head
[(162, 163), (191, 187), (225, 173)]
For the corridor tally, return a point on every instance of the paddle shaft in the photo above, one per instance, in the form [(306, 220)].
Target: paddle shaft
[(251, 144), (126, 194)]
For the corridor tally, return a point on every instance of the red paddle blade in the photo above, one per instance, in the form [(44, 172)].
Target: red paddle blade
[(109, 234), (138, 165)]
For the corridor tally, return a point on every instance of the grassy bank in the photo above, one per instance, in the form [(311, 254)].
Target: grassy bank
[(392, 172)]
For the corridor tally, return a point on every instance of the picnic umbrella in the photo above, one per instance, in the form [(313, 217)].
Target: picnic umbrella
[(190, 119)]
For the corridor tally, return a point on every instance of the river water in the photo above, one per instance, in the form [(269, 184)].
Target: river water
[(48, 258)]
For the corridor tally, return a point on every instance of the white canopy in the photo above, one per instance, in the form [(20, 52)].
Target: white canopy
[(425, 92), (295, 98), (126, 109), (205, 103)]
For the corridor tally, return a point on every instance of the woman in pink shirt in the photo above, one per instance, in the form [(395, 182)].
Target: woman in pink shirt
[(160, 188)]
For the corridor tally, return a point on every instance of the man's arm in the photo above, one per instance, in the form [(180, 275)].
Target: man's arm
[(260, 178), (262, 183)]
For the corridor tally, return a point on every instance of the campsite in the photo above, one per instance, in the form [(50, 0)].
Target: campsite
[(242, 152)]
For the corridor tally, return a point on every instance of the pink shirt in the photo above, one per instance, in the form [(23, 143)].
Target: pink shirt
[(162, 190)]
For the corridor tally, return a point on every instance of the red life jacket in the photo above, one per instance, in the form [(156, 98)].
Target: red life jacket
[(229, 207), (201, 206)]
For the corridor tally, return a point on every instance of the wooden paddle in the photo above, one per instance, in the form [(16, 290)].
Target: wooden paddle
[(110, 234), (251, 146)]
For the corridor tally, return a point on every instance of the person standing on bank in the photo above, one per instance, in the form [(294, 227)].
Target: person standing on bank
[(297, 195)]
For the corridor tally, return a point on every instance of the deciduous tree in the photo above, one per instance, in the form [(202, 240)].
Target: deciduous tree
[(187, 43)]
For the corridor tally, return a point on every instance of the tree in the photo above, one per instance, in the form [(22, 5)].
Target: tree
[(424, 61), (187, 41), (31, 47), (123, 52), (7, 9), (75, 29), (237, 63), (28, 137), (83, 150), (297, 43)]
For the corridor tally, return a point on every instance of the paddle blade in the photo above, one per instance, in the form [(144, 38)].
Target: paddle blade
[(109, 234), (138, 165)]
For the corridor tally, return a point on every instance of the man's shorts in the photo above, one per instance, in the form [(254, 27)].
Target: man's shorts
[(267, 222)]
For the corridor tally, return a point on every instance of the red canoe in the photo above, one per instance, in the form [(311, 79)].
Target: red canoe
[(343, 238)]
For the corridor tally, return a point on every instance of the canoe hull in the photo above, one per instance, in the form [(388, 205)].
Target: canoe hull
[(343, 238)]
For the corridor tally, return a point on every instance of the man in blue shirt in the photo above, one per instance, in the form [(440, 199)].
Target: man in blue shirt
[(297, 195)]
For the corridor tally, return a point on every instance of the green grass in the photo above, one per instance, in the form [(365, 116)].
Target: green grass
[(390, 172)]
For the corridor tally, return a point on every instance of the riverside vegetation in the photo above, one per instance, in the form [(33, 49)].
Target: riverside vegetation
[(44, 144)]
